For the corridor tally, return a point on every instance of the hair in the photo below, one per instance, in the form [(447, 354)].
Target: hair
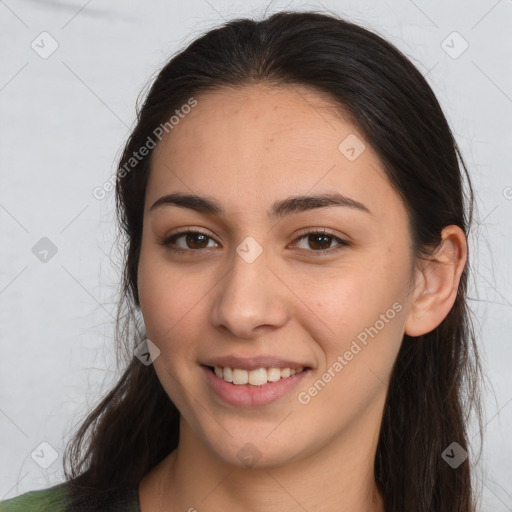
[(434, 388)]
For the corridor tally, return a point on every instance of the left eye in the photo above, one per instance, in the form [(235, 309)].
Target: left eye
[(322, 241), (319, 241)]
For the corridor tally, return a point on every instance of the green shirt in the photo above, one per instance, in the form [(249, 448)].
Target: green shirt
[(55, 499)]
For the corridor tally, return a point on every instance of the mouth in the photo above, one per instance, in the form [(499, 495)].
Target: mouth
[(256, 376), (255, 387)]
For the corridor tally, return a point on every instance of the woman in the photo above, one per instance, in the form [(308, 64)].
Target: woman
[(296, 243)]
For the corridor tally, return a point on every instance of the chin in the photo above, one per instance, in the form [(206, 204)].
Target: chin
[(254, 452)]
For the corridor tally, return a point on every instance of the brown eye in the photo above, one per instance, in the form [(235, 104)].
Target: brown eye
[(319, 242), (196, 240), (193, 241)]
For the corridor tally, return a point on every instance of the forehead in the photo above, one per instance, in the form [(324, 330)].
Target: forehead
[(257, 144), (269, 122)]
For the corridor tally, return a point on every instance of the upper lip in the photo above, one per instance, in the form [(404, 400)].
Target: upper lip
[(251, 363)]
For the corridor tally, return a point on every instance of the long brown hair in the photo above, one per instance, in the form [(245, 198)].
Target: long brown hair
[(435, 381)]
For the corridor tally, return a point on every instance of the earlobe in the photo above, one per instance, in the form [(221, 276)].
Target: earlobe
[(437, 283)]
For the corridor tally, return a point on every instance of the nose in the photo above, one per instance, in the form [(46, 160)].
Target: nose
[(249, 299)]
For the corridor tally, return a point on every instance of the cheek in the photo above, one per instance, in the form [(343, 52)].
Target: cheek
[(353, 300), (365, 317), (167, 303), (174, 305), (163, 297)]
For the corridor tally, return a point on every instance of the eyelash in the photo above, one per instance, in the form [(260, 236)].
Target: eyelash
[(171, 239)]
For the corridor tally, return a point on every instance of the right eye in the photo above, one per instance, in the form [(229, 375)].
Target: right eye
[(194, 240)]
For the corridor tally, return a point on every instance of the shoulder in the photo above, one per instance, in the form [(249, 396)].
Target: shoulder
[(51, 499), (56, 499)]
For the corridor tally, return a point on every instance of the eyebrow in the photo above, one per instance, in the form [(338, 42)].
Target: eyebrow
[(279, 209)]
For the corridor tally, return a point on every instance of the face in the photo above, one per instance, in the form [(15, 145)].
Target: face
[(322, 285)]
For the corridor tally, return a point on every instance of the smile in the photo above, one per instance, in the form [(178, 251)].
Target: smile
[(251, 388), (255, 377)]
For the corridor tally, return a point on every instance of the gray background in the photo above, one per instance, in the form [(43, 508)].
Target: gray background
[(64, 119)]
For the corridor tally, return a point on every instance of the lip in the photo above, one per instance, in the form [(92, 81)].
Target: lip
[(251, 363), (247, 395)]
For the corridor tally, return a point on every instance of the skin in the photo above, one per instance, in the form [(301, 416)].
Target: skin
[(248, 148)]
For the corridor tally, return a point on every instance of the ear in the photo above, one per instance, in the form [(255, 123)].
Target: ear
[(437, 281)]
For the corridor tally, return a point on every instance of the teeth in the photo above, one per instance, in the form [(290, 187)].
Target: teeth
[(273, 374), (240, 376), (228, 374), (256, 377)]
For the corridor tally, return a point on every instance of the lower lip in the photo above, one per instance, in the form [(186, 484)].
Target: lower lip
[(247, 395)]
